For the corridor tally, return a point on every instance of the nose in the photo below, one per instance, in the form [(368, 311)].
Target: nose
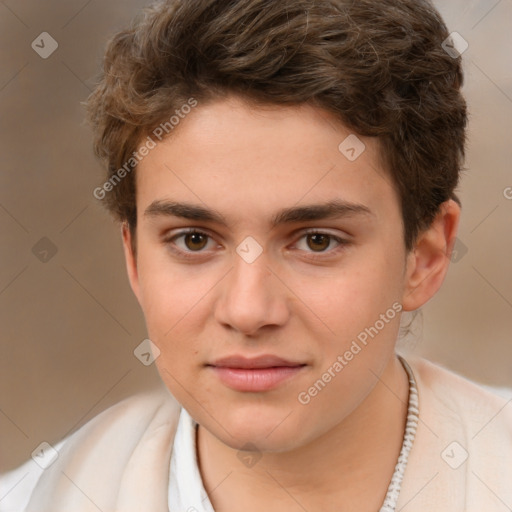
[(252, 297)]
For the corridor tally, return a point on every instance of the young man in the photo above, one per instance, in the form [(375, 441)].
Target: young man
[(284, 173)]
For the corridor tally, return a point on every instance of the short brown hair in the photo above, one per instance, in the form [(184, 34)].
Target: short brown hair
[(378, 65)]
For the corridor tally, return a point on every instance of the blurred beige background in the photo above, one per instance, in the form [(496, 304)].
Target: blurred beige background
[(70, 324)]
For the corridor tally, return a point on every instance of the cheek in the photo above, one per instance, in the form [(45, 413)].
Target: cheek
[(352, 297), (167, 300), (168, 293), (172, 309), (362, 310)]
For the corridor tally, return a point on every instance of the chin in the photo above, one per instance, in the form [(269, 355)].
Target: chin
[(256, 442), (254, 429)]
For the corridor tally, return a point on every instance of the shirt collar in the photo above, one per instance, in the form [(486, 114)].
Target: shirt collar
[(186, 490)]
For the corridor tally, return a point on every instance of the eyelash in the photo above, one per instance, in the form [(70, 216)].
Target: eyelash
[(170, 242)]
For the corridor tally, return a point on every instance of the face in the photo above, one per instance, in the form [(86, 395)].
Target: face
[(264, 257)]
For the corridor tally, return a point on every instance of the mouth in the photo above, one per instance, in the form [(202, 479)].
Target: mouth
[(257, 374)]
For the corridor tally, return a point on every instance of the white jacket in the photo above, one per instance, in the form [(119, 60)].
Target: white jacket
[(461, 459)]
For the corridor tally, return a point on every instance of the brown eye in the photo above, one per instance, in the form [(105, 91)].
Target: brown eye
[(318, 242), (189, 243), (195, 241)]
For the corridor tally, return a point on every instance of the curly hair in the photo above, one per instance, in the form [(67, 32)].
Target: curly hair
[(377, 65)]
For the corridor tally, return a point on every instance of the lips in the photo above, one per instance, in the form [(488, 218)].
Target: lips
[(257, 374), (265, 361)]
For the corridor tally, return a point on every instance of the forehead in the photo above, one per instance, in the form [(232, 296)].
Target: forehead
[(254, 161)]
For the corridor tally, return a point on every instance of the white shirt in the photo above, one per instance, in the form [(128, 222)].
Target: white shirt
[(16, 486), (186, 490)]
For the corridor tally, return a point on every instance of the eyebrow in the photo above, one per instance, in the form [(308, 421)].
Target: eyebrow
[(330, 210)]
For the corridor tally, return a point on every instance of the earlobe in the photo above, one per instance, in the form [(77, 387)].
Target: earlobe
[(428, 261), (130, 259)]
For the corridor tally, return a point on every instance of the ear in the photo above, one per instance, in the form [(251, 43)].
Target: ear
[(428, 261), (130, 259)]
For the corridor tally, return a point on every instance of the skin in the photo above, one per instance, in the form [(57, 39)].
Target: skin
[(303, 298)]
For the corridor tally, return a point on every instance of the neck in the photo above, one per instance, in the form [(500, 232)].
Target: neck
[(339, 467)]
